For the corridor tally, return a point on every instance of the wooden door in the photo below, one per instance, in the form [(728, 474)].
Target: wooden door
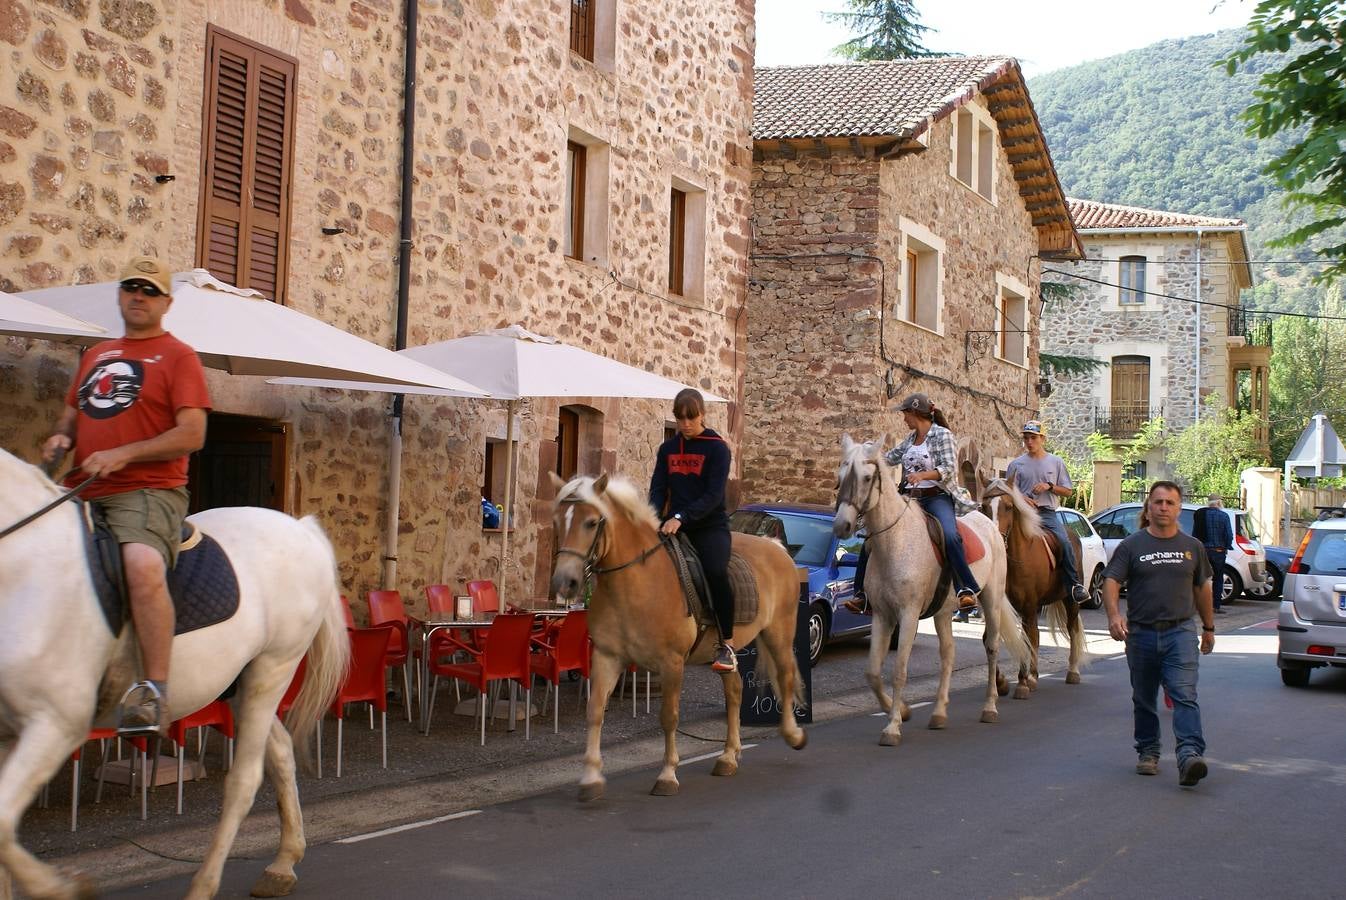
[(242, 464), (1130, 393)]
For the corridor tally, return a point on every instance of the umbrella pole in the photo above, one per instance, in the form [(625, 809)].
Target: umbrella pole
[(390, 525), (507, 519)]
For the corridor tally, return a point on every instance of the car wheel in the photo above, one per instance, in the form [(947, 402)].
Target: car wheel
[(818, 630), (1095, 589), (1296, 677), (1233, 585), (1269, 589)]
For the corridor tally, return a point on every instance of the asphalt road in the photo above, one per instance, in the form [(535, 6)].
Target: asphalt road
[(1043, 804)]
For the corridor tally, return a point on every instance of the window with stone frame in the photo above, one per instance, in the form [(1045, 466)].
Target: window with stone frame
[(497, 462), (573, 245), (567, 442), (593, 32), (586, 198), (974, 149), (920, 288), (1012, 326), (247, 163), (582, 21), (1131, 281), (686, 240)]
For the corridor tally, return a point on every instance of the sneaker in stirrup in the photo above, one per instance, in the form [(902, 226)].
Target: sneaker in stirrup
[(1079, 594), (725, 659), (967, 600), (141, 710), (858, 604)]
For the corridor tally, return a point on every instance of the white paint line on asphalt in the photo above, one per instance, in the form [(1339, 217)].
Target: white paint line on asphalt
[(711, 755), (408, 827), (884, 715), (1118, 656)]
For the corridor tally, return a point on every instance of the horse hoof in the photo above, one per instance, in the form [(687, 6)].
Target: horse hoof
[(1072, 678), (274, 885), (1021, 692), (724, 767), (1001, 687), (802, 742), (938, 722), (591, 792), (665, 787), (906, 712), (990, 717), (889, 740)]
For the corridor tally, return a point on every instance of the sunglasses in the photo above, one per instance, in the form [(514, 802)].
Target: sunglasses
[(144, 288)]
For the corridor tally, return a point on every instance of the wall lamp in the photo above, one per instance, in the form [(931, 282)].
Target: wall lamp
[(331, 231), (164, 179)]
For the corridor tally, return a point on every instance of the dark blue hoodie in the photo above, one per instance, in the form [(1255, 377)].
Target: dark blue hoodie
[(690, 477)]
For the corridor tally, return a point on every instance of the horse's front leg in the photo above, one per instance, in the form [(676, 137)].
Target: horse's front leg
[(727, 763), (1028, 670), (603, 674), (897, 709), (670, 682), (880, 636), (939, 716)]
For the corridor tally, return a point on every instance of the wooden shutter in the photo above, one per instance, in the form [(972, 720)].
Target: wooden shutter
[(247, 158), (582, 15), (677, 239), (1130, 393)]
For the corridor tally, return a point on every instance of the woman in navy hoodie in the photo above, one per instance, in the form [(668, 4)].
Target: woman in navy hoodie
[(687, 491)]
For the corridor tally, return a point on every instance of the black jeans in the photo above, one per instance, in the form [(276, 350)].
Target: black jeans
[(1217, 560), (712, 546)]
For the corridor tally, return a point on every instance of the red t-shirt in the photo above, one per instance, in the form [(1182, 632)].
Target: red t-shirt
[(130, 390)]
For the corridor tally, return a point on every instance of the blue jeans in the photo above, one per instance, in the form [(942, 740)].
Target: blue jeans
[(940, 506), (1217, 560), (1070, 570), (1169, 658)]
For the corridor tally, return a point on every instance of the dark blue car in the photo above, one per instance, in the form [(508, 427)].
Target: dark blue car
[(806, 532)]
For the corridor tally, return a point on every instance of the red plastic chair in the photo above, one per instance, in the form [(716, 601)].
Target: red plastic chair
[(346, 608), (364, 681), (485, 599), (385, 608), (504, 657), (555, 655), (102, 735), (217, 714)]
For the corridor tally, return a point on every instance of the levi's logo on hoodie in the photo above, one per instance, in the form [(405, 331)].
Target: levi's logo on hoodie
[(685, 463)]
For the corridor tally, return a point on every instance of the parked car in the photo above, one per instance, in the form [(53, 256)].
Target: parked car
[(1245, 563), (806, 532), (1312, 622), (1093, 555), (1278, 563)]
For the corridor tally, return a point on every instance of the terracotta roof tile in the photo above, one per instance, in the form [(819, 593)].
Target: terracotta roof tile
[(1089, 214), (875, 99)]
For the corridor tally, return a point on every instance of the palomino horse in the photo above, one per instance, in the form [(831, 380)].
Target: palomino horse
[(902, 579), (1033, 582), (637, 614), (55, 646)]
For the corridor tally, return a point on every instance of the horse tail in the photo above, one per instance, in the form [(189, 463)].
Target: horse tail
[(1056, 627), (328, 659), (1012, 635)]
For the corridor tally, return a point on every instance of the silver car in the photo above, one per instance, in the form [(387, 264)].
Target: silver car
[(1312, 623), (1093, 555)]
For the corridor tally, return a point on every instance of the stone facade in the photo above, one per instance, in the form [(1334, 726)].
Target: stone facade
[(830, 351), (98, 97), (1092, 323)]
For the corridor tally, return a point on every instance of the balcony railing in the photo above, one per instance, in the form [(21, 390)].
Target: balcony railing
[(1123, 420), (1253, 328)]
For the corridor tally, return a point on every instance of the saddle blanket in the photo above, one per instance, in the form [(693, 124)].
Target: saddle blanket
[(696, 592)]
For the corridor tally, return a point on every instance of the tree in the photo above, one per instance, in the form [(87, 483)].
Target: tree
[(1307, 92), (1209, 455), (887, 29), (1308, 371)]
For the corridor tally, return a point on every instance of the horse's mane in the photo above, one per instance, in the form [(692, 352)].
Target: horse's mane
[(12, 466), (620, 495), (1025, 515)]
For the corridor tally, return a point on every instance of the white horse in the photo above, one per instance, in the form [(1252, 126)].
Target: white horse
[(55, 646), (902, 577)]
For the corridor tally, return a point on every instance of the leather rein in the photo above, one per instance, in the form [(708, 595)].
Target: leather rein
[(591, 556), (68, 495), (864, 510)]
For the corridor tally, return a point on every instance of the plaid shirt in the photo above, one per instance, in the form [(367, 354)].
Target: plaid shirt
[(939, 443)]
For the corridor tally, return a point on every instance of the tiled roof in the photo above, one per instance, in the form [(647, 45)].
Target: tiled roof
[(1092, 214), (862, 99)]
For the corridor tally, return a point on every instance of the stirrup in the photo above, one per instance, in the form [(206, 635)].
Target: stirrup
[(719, 665), (858, 604), (967, 601), (132, 719)]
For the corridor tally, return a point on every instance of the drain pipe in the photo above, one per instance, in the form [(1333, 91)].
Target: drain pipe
[(403, 296), (1196, 398)]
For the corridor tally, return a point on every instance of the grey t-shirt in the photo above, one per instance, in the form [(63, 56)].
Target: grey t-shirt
[(1025, 472), (1159, 574)]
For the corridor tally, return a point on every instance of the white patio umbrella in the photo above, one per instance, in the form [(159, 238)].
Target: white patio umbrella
[(32, 320), (240, 331), (513, 363)]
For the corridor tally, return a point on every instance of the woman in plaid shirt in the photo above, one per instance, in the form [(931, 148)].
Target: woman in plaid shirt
[(929, 463)]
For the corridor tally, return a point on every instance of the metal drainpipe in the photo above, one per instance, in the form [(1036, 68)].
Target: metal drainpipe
[(403, 295), (1197, 395)]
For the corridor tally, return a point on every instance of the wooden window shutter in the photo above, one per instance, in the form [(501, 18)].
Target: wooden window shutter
[(247, 159)]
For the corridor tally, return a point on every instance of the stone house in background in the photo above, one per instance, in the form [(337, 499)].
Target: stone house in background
[(582, 169), (1157, 298), (901, 213)]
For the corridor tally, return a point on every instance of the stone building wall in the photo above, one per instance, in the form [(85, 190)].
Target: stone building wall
[(98, 96), (817, 366), (1092, 324)]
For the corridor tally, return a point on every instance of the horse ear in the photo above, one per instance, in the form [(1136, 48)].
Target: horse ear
[(556, 480), (847, 443), (996, 488), (601, 483), (887, 440)]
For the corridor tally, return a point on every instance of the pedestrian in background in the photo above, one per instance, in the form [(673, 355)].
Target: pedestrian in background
[(1211, 527), (1167, 578)]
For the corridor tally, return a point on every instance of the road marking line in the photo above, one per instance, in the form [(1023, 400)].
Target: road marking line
[(712, 755), (1119, 656), (912, 706), (408, 827)]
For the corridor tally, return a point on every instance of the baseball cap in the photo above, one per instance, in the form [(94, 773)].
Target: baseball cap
[(918, 403), (1033, 427), (148, 269)]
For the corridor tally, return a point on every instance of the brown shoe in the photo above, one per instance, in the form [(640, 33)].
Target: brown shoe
[(967, 601), (858, 604), (1148, 765)]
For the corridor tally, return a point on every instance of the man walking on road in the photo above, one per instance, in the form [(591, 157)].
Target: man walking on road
[(1042, 478), (1211, 527), (1167, 578)]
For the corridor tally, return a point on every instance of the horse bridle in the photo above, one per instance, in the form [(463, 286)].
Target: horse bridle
[(877, 482), (592, 555)]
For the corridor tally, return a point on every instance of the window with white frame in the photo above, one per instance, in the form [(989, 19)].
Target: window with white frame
[(1131, 281), (1011, 321), (593, 31), (686, 239), (585, 207), (974, 149), (922, 274)]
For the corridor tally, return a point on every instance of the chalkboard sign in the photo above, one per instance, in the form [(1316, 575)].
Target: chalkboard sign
[(760, 705)]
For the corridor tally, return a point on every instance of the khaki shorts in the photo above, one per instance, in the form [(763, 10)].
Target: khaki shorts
[(151, 516)]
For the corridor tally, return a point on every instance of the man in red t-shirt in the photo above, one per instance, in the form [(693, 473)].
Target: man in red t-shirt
[(134, 413)]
